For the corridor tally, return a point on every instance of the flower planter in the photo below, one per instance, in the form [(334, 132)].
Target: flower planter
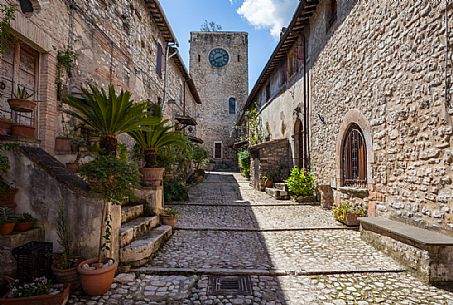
[(152, 177), (7, 199), (351, 220), (23, 226), (21, 105), (5, 127), (96, 282), (66, 276), (7, 228), (59, 299), (63, 145), (168, 220), (23, 131)]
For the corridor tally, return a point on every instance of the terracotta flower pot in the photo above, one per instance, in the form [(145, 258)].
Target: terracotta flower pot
[(7, 199), (7, 228), (63, 145), (23, 226), (5, 127), (168, 220), (72, 166), (269, 184), (152, 177), (21, 105), (96, 282), (59, 299), (23, 131), (66, 276)]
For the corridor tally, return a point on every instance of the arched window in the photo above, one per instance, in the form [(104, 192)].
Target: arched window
[(232, 105), (354, 158), (26, 6)]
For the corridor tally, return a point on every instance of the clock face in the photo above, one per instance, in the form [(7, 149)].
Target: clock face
[(218, 57)]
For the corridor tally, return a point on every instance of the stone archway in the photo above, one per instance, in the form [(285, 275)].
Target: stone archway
[(354, 116), (298, 144)]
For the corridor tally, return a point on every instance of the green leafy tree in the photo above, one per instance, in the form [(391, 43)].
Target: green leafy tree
[(108, 114), (199, 156)]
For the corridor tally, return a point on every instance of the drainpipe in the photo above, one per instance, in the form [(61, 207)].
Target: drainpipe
[(168, 56), (306, 164)]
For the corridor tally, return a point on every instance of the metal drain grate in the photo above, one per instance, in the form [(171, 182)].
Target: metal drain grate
[(229, 285)]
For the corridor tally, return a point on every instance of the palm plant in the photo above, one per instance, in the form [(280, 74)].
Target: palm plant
[(153, 137), (108, 114)]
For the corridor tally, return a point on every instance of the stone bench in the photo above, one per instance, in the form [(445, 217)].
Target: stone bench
[(426, 253)]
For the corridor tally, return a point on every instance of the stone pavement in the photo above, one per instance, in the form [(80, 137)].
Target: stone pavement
[(290, 254)]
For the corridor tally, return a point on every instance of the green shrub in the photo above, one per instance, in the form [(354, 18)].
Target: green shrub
[(199, 156), (114, 179), (301, 182), (244, 161), (175, 190)]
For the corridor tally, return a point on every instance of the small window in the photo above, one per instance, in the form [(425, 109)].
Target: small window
[(331, 13), (239, 58), (354, 158), (232, 105), (217, 150), (199, 58), (159, 56), (26, 6)]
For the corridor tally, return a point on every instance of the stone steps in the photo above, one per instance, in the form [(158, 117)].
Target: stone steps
[(140, 250), (278, 194), (136, 228), (131, 212), (281, 186)]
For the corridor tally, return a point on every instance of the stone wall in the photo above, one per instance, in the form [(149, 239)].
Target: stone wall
[(270, 159), (218, 85), (115, 42), (46, 186), (386, 62)]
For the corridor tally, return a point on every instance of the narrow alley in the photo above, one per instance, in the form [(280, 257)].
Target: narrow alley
[(235, 245)]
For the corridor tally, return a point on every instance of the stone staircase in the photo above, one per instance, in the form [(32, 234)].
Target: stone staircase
[(140, 236), (279, 191)]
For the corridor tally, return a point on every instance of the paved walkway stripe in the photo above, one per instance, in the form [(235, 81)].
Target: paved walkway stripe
[(241, 204), (226, 229), (252, 272)]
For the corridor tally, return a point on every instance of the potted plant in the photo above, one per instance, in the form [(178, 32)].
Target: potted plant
[(108, 114), (114, 180), (24, 222), (7, 192), (347, 213), (301, 184), (7, 222), (21, 101), (168, 216), (40, 292), (151, 138)]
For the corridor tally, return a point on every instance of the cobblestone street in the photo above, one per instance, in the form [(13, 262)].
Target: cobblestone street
[(290, 254)]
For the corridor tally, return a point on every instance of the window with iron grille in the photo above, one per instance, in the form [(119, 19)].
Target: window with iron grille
[(354, 158)]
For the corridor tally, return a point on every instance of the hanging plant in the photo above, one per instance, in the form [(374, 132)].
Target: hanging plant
[(8, 12), (65, 64)]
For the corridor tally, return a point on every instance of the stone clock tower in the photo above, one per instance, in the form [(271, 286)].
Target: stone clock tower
[(219, 68)]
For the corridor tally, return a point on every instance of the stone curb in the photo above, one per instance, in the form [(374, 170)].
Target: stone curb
[(253, 272), (227, 229), (243, 204)]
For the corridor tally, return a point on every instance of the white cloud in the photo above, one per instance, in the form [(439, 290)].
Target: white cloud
[(271, 14)]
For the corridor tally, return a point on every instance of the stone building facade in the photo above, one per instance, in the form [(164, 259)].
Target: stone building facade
[(124, 43), (378, 74), (219, 67)]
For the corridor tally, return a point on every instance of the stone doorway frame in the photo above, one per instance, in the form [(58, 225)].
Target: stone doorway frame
[(354, 116)]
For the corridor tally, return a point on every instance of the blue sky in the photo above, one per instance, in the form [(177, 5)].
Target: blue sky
[(262, 19)]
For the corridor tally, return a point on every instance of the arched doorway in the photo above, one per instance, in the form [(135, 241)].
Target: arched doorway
[(298, 144)]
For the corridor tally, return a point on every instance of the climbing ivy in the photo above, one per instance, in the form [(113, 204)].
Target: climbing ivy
[(255, 133), (65, 63), (8, 14)]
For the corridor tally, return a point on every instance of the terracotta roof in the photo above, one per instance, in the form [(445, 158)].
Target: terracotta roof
[(159, 18), (300, 19)]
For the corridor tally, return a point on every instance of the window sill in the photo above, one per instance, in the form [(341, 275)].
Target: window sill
[(355, 191)]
